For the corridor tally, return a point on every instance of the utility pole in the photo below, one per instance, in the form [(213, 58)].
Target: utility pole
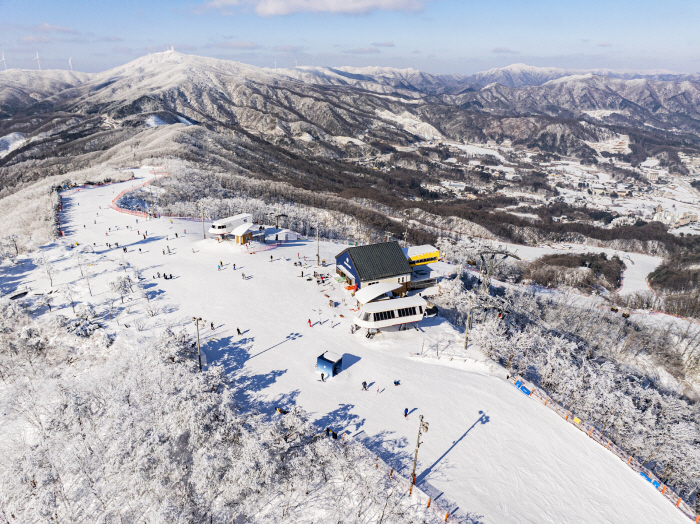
[(197, 320), (469, 318), (422, 428), (201, 205)]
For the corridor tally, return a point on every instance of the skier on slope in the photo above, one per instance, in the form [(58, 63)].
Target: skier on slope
[(405, 413), (309, 322), (212, 326), (364, 386), (239, 331)]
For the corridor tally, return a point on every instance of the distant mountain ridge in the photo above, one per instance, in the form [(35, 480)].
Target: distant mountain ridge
[(344, 111), (523, 75)]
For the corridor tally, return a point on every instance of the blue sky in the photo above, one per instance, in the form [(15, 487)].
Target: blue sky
[(438, 36)]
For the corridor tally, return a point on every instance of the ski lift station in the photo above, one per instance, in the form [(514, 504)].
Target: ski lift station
[(329, 363), (377, 310), (238, 226)]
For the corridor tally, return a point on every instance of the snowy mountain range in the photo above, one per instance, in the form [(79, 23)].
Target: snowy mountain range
[(523, 75), (335, 113)]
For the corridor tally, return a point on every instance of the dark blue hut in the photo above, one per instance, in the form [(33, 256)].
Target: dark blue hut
[(330, 364)]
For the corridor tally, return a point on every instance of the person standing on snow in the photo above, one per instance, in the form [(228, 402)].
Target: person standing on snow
[(243, 275), (218, 268), (212, 326), (364, 386), (309, 322), (323, 377), (239, 331), (405, 413)]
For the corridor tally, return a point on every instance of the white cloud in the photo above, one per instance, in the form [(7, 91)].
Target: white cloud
[(286, 7), (33, 39), (504, 50), (48, 28), (288, 48), (383, 44), (363, 51)]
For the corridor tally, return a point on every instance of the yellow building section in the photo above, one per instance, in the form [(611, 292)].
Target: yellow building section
[(421, 255)]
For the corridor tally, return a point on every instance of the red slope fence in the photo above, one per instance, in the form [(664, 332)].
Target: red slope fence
[(72, 190), (594, 433), (116, 207)]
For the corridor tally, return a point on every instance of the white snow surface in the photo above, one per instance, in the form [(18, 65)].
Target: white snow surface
[(492, 451), (153, 121), (11, 142), (411, 124)]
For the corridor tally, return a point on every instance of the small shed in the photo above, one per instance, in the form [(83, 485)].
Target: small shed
[(244, 233), (329, 363)]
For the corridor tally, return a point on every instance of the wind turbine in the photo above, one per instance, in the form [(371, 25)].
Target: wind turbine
[(70, 63), (3, 61), (37, 60)]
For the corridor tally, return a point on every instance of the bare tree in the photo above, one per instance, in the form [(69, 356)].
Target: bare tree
[(69, 293), (121, 287), (45, 300), (48, 268), (13, 240), (84, 270), (152, 309)]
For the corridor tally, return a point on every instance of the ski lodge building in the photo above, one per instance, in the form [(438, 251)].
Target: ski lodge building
[(375, 263)]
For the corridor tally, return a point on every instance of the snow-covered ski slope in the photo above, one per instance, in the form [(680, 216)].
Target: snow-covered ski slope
[(491, 451)]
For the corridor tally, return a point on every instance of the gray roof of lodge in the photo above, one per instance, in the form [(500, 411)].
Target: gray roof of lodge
[(376, 261)]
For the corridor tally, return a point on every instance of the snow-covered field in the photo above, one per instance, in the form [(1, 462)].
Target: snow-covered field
[(491, 451), (633, 278)]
